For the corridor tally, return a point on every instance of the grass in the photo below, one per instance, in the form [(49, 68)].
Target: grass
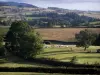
[(14, 61), (3, 30), (31, 18), (66, 54), (30, 73), (61, 54), (94, 23)]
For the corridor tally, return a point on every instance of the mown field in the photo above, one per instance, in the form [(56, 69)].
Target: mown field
[(60, 54), (66, 54)]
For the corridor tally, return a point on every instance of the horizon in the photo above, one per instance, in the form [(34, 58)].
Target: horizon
[(84, 5)]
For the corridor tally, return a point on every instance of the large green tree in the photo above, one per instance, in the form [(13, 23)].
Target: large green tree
[(85, 38), (22, 40), (97, 41), (2, 50)]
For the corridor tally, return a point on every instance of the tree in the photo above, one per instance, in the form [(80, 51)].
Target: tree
[(97, 41), (22, 40), (85, 38), (2, 51)]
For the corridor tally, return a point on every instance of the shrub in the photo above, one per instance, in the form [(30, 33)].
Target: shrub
[(2, 51)]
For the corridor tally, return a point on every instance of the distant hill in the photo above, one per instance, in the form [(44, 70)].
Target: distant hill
[(62, 10), (47, 17), (17, 4)]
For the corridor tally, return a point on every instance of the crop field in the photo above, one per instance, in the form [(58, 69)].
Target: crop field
[(62, 34)]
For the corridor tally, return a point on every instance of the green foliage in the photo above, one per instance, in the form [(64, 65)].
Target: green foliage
[(31, 44), (2, 51), (85, 38), (1, 41), (63, 20), (97, 41), (22, 40), (1, 46)]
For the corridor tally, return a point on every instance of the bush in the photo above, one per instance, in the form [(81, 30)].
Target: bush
[(2, 51)]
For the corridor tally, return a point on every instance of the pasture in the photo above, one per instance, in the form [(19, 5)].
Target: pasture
[(65, 54)]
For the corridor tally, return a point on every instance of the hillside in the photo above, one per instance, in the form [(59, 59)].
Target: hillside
[(51, 17)]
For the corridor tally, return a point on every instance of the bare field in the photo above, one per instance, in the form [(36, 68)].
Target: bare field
[(62, 34)]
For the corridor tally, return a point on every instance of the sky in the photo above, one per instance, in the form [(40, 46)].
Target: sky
[(67, 4)]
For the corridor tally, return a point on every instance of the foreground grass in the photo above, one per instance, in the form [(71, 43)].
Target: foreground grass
[(60, 54), (14, 61), (66, 54), (30, 73)]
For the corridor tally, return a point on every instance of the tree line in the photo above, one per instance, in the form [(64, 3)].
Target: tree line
[(50, 20), (70, 19)]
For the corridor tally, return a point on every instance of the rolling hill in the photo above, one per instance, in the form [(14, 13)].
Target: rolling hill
[(46, 17)]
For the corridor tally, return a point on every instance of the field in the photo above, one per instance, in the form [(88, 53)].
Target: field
[(95, 15), (62, 34), (59, 54), (54, 57), (63, 55), (66, 54)]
